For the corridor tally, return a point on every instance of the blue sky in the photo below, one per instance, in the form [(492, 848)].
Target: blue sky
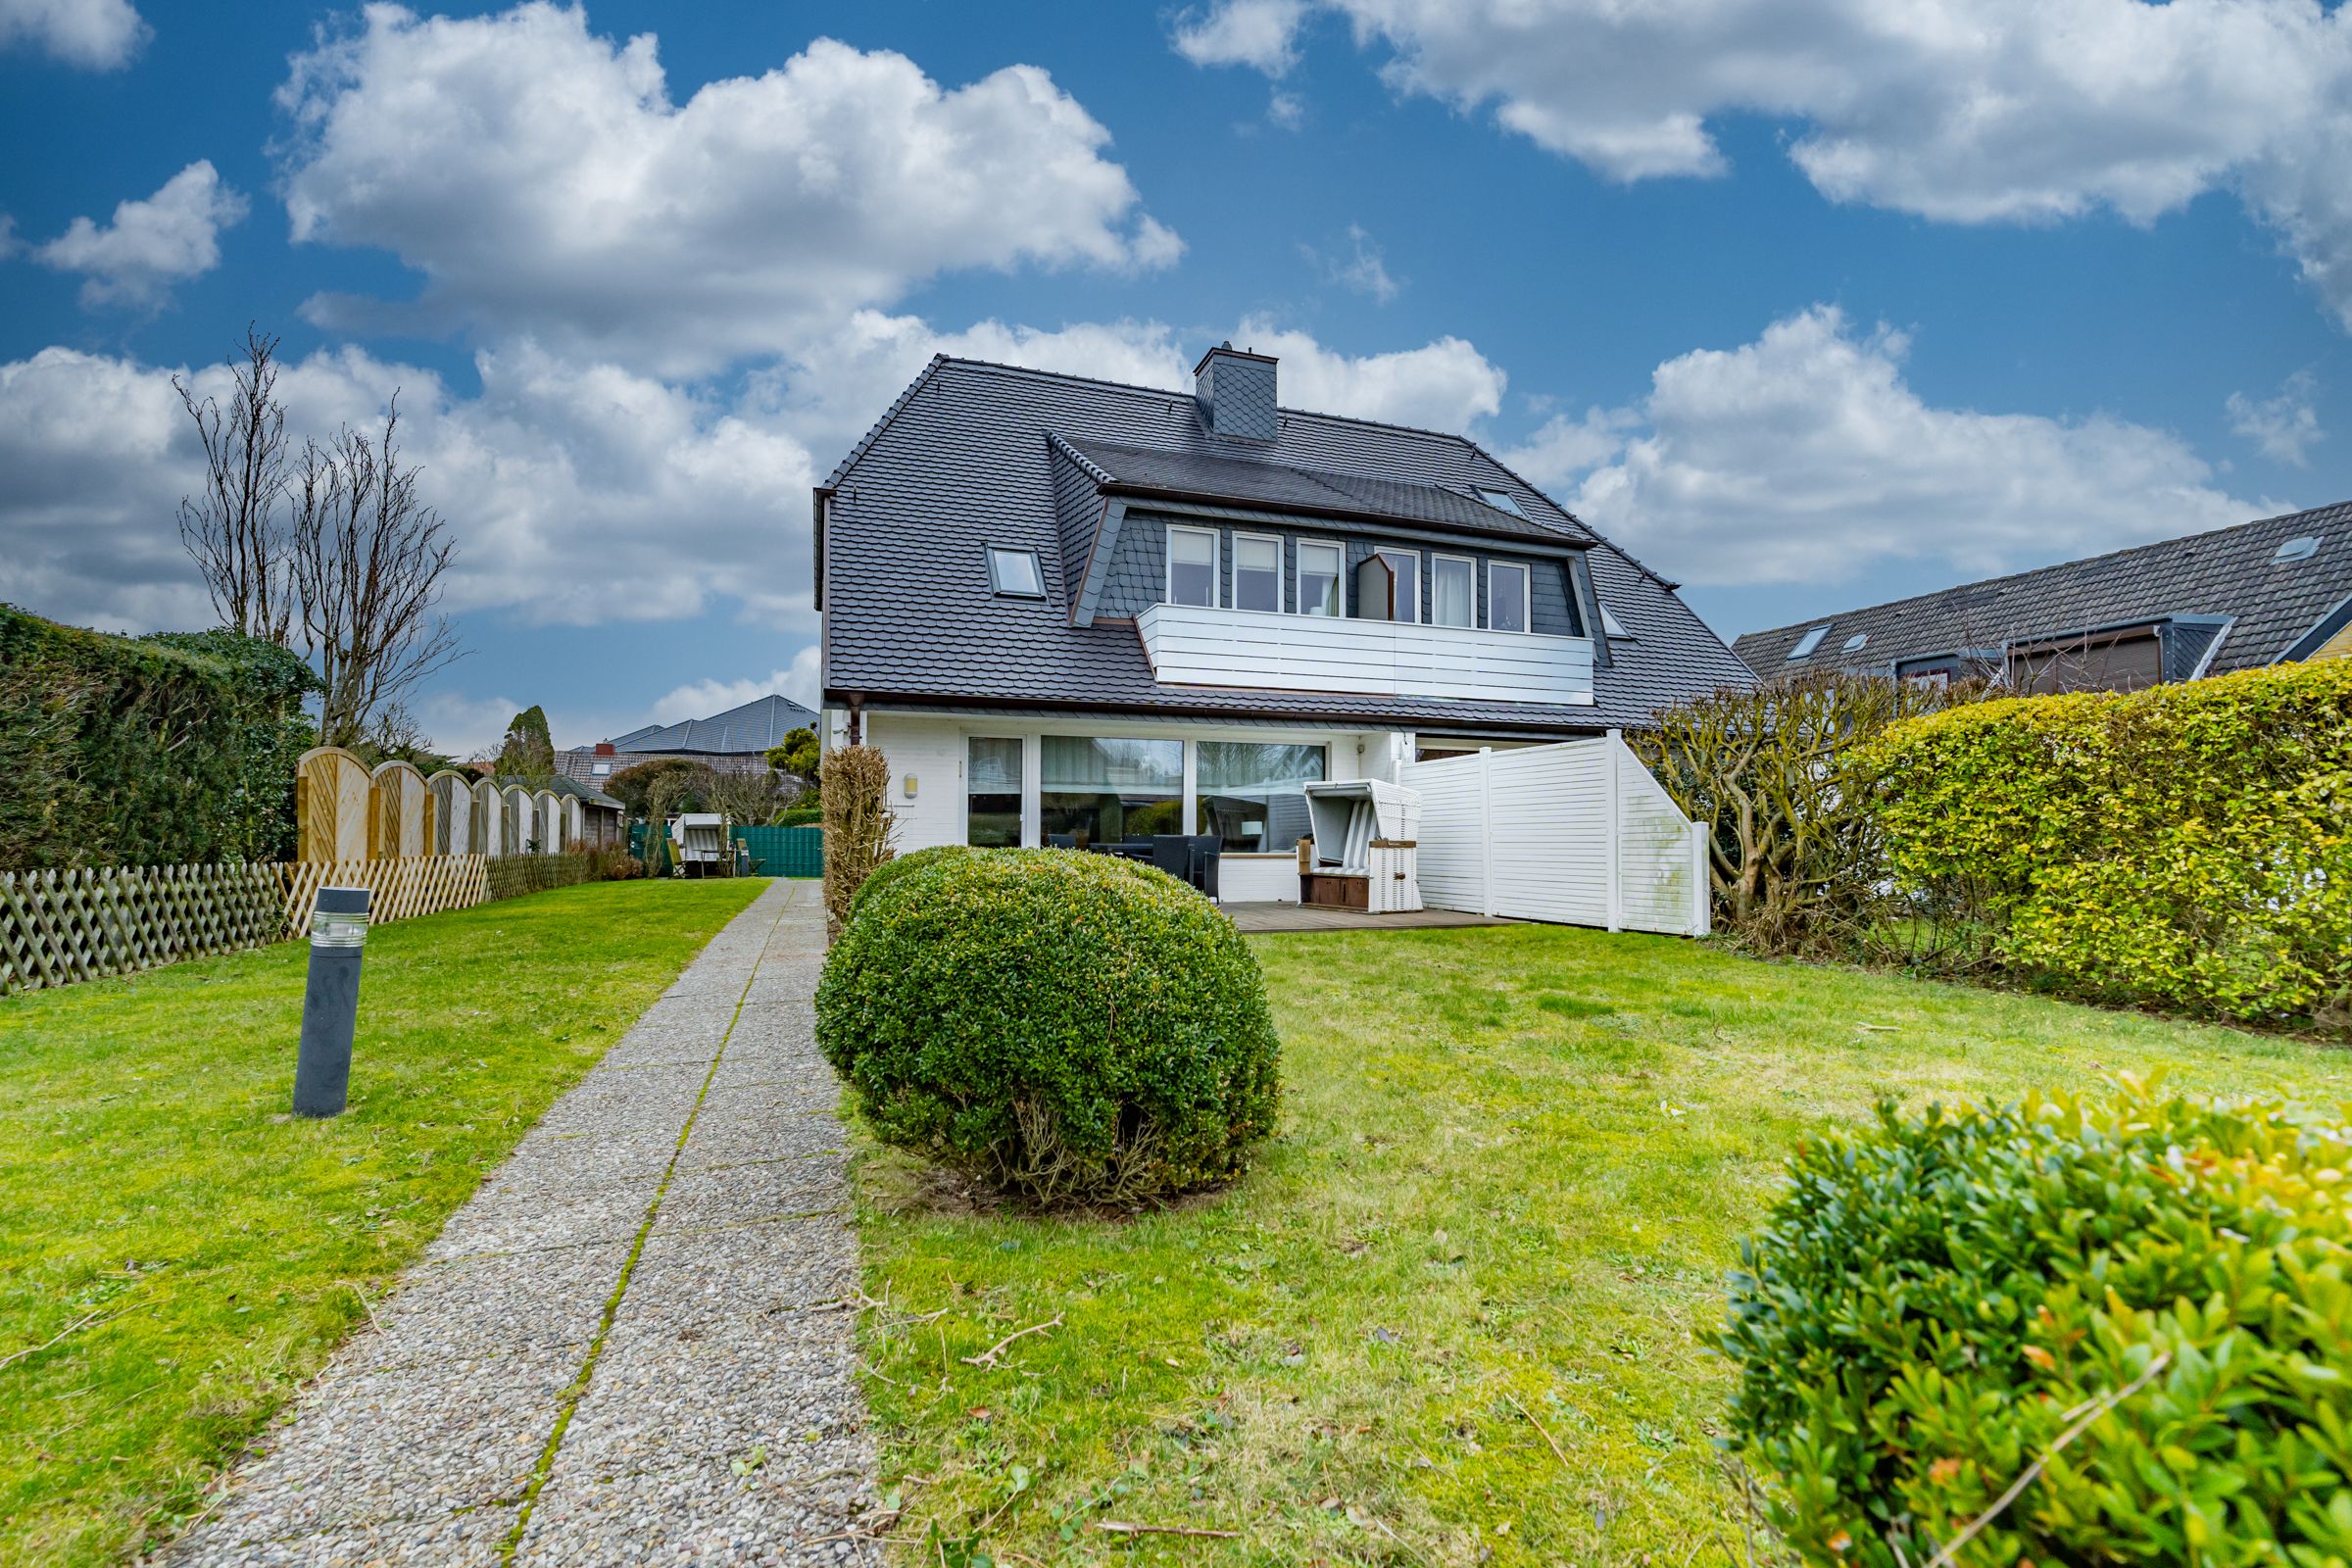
[(1770, 298)]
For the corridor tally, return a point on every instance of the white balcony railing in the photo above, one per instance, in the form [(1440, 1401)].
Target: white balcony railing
[(1191, 646)]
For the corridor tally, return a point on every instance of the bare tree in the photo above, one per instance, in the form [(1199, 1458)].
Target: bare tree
[(234, 527), (367, 559)]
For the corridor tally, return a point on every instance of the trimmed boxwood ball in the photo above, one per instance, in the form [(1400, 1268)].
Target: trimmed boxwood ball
[(1937, 1302), (901, 866), (1067, 1028)]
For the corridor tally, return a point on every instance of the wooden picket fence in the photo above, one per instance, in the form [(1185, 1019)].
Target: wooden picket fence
[(397, 890)]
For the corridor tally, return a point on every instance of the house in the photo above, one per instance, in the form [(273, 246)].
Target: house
[(1068, 609), (2259, 593), (736, 740)]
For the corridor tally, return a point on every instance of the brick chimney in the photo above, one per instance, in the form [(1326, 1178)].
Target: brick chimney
[(1234, 391)]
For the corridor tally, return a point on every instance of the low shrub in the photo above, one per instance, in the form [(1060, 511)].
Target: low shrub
[(1941, 1301), (799, 817), (1063, 1027), (898, 868), (2182, 847)]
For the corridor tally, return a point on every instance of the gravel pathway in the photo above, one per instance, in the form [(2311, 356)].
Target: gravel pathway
[(631, 1345)]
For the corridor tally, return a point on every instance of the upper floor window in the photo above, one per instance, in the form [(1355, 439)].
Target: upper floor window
[(1015, 574), (1257, 571), (1453, 591), (1405, 598), (1193, 567), (1500, 501), (1507, 596), (1320, 563)]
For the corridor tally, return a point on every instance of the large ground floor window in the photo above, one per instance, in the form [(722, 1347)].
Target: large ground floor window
[(1103, 790), (992, 785), (1254, 794)]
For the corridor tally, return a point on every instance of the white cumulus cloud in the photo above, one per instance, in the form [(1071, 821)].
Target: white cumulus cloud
[(700, 698), (1805, 457), (1964, 111), (544, 183), (152, 243), (1259, 33), (2284, 426), (97, 34)]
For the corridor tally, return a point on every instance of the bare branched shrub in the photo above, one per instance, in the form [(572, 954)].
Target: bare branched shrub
[(1797, 859), (858, 826)]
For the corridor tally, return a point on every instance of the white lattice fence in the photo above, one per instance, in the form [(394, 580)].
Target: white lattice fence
[(59, 927)]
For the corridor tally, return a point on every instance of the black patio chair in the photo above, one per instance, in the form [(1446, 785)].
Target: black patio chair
[(1173, 853), (1208, 849)]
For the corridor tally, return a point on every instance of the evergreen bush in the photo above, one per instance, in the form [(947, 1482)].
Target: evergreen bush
[(169, 750), (2150, 1299), (1067, 1028)]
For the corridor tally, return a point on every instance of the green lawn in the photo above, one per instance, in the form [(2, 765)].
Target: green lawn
[(1515, 1166), (217, 1248)]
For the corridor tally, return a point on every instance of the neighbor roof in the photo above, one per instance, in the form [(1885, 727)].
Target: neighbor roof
[(969, 453), (2234, 573), (739, 731)]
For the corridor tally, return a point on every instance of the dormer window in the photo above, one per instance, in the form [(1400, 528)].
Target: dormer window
[(1808, 642), (1015, 574), (1193, 567), (1500, 501)]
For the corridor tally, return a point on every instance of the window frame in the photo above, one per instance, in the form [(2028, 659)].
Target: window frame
[(1020, 790), (1526, 597), (1339, 576), (1216, 566), (1391, 554), (996, 580), (1811, 643), (1273, 539), (1436, 558)]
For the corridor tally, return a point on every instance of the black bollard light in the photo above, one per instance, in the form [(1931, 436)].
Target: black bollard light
[(330, 1002)]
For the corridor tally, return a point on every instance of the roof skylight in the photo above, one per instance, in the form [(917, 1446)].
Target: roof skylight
[(1854, 643), (1500, 501), (2302, 549), (1015, 574), (1809, 641), (1610, 624)]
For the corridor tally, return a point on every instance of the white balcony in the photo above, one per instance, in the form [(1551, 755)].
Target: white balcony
[(1191, 646)]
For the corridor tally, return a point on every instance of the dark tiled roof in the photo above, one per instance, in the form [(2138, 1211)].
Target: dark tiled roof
[(560, 785), (1208, 476), (2230, 572), (966, 455), (739, 731)]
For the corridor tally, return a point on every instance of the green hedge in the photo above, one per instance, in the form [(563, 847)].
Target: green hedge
[(1935, 1302), (2185, 847), (159, 750), (513, 875), (1064, 1027)]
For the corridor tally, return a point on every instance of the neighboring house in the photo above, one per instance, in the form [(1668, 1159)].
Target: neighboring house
[(736, 740), (1068, 608), (2260, 593)]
